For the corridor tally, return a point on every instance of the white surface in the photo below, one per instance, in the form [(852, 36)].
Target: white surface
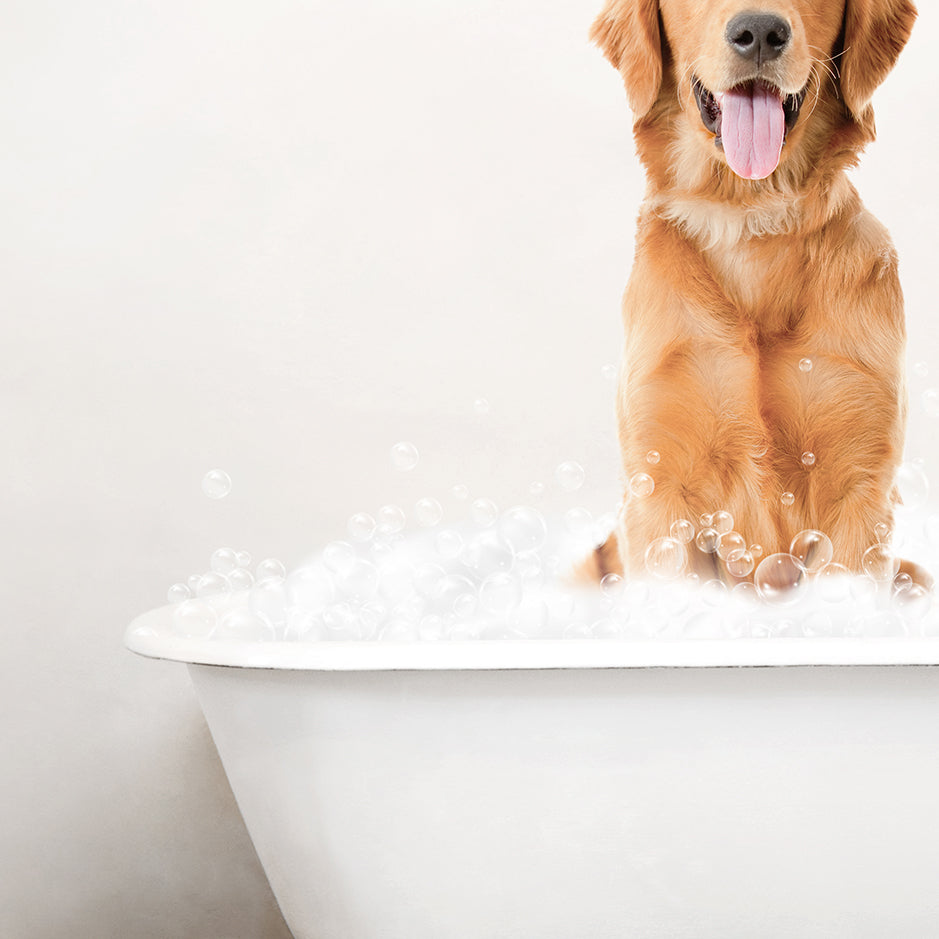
[(661, 803), (275, 239)]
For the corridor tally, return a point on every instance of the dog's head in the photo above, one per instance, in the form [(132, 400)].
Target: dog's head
[(743, 69)]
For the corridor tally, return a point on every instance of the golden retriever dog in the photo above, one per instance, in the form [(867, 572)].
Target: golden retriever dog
[(762, 372)]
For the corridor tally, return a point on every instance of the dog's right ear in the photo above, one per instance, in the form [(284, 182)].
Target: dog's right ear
[(628, 33)]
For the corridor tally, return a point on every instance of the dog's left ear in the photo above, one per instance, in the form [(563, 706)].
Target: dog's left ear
[(875, 32), (628, 33)]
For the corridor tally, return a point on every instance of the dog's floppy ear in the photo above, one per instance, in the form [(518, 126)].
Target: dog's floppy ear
[(875, 31), (628, 33)]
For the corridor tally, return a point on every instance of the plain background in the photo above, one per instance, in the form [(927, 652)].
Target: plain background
[(276, 238)]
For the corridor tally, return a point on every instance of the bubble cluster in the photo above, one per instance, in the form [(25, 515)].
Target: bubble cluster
[(421, 575)]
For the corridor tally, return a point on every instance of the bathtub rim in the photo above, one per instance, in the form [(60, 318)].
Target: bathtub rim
[(150, 635)]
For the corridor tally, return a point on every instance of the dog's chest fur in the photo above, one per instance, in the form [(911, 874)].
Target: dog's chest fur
[(761, 278)]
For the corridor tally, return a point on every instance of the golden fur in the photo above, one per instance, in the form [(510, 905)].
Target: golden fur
[(737, 280)]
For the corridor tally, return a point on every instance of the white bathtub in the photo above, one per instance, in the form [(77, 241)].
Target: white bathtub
[(582, 789)]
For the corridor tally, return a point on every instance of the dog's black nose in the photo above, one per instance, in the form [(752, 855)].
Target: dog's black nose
[(759, 37)]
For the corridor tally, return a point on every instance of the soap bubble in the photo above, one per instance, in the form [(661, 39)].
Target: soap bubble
[(481, 406), (448, 543), (240, 579), (812, 549), (244, 559), (177, 593), (427, 579), (216, 484), (459, 492), (245, 625), (780, 579), (269, 597), (309, 588), (338, 555), (756, 550), (391, 519), (879, 563), (931, 402), (451, 588), (787, 499), (882, 531), (863, 589), (740, 562), (192, 581), (612, 586), (194, 619), (485, 512), (302, 626), (608, 372), (537, 489), (920, 369), (818, 623), (833, 583), (746, 593), (730, 541), (714, 592), (212, 584), (570, 475), (487, 553), (464, 605), (805, 365), (224, 561), (523, 529), (271, 568), (723, 521), (361, 526), (665, 558), (705, 519), (429, 512), (528, 566), (578, 520), (913, 485), (404, 456), (900, 583), (641, 485), (708, 540), (653, 457), (500, 593), (682, 531), (808, 459), (914, 601)]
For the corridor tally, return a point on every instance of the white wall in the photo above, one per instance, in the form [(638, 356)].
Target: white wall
[(276, 238)]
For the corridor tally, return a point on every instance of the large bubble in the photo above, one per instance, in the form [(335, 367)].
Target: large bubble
[(780, 579)]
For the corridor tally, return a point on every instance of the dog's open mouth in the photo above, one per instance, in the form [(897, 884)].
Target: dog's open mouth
[(750, 123)]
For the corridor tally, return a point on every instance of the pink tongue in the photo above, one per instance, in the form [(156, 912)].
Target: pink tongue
[(752, 130)]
